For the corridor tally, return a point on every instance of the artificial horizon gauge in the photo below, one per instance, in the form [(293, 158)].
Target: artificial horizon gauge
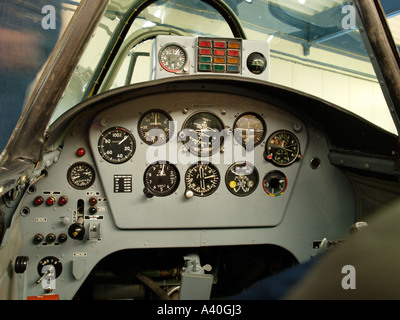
[(249, 129), (81, 175), (160, 179), (275, 183), (155, 127), (202, 179), (116, 145), (241, 178), (202, 133), (172, 58), (282, 148)]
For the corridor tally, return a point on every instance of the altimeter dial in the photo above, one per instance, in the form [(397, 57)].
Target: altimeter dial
[(202, 179), (172, 58)]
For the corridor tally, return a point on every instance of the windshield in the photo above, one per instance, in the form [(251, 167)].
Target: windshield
[(315, 47)]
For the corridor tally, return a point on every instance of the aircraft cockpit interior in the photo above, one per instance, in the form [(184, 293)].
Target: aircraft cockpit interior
[(190, 149)]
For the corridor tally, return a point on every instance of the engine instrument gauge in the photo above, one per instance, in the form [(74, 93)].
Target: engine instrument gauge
[(81, 175), (282, 148), (155, 127), (241, 179), (202, 133), (116, 145), (202, 179), (249, 129), (172, 57), (160, 179), (275, 183)]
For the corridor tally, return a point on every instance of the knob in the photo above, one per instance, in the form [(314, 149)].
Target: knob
[(93, 210), (50, 238), (21, 263), (62, 238), (76, 231), (38, 238), (147, 193)]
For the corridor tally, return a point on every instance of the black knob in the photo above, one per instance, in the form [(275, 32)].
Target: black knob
[(50, 238), (62, 238), (38, 238), (21, 263), (93, 210), (76, 231)]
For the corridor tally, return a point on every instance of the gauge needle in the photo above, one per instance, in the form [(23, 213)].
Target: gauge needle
[(126, 137)]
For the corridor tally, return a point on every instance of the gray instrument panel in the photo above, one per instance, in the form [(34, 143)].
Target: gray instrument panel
[(108, 198), (133, 210)]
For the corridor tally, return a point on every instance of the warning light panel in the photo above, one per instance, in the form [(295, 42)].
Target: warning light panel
[(219, 55)]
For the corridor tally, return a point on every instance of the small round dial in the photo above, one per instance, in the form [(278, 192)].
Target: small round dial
[(161, 179), (275, 183), (50, 266), (202, 133), (155, 127), (116, 145), (249, 129), (282, 148), (202, 179), (172, 57), (81, 175), (241, 179)]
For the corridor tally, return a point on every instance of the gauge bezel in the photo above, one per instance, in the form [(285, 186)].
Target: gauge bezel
[(170, 126), (170, 44), (215, 184), (72, 167), (268, 156), (126, 157), (254, 174), (259, 117), (195, 149), (169, 192)]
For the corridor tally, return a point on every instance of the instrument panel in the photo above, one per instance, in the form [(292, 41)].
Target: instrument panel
[(174, 163)]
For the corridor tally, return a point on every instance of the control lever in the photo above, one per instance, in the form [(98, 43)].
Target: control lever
[(77, 230)]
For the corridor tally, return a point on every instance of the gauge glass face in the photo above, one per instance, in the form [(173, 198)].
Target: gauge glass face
[(116, 145), (81, 175), (241, 179), (172, 58), (249, 130), (202, 133), (155, 127), (202, 179), (161, 179), (275, 183), (282, 148)]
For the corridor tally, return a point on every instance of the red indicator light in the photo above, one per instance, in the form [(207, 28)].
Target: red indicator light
[(80, 152), (219, 44), (219, 52), (50, 201), (63, 200), (93, 201), (204, 51), (204, 43), (234, 53), (38, 201)]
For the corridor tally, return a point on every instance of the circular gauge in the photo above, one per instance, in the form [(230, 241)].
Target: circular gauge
[(160, 179), (116, 145), (172, 57), (275, 183), (282, 148), (81, 175), (201, 133), (51, 267), (249, 129), (202, 179), (155, 127), (241, 179)]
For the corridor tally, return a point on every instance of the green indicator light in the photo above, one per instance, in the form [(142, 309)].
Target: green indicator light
[(219, 67), (204, 67), (205, 59)]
